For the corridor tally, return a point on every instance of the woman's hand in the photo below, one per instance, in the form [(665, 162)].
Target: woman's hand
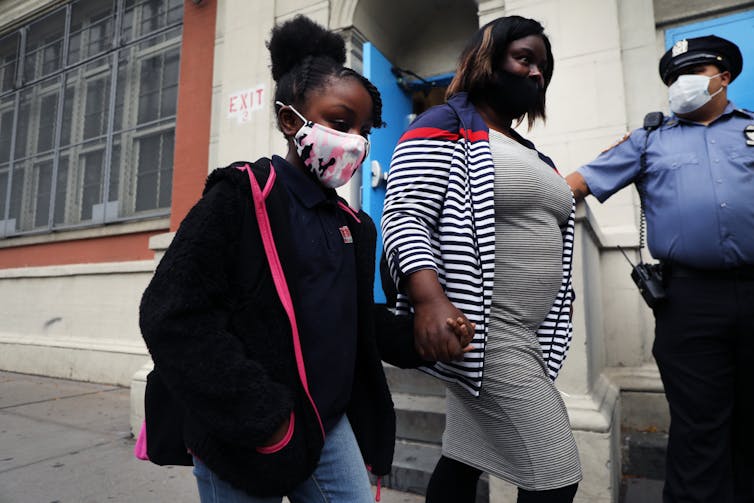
[(434, 337)]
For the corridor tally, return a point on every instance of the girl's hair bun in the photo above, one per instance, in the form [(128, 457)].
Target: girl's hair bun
[(295, 40)]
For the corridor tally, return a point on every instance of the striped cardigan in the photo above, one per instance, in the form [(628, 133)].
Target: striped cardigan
[(440, 214)]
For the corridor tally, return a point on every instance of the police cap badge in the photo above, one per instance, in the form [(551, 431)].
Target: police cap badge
[(701, 50)]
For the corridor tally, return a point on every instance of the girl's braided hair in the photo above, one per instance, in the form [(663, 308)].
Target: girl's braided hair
[(305, 56)]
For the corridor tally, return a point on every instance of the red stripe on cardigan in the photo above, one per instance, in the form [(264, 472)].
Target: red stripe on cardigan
[(431, 133)]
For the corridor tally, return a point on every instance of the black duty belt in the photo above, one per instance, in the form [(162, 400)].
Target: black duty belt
[(681, 271)]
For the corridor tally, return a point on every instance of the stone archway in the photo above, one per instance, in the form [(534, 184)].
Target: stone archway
[(425, 36)]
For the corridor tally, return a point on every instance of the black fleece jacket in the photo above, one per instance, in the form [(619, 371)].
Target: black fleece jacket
[(218, 333)]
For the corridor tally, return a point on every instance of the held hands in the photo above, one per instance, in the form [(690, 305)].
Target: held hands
[(464, 330), (438, 340), (441, 331)]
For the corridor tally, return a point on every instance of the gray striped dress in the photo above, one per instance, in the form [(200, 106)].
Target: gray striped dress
[(517, 428)]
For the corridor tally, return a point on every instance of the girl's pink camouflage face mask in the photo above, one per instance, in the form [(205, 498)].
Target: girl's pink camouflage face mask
[(333, 156)]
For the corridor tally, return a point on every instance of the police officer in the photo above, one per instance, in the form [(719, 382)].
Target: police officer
[(697, 190)]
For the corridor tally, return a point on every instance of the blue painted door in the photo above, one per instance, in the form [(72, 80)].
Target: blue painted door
[(738, 28), (396, 106)]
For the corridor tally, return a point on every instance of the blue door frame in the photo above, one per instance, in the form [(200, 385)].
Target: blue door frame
[(396, 110), (396, 107), (738, 28)]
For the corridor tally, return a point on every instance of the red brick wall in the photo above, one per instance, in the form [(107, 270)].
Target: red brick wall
[(190, 161)]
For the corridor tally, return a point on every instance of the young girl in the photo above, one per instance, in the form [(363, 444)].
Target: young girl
[(260, 317)]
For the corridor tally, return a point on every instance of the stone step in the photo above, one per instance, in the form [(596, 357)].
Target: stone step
[(413, 465), (643, 454), (419, 418), (645, 420), (636, 490), (420, 422), (644, 411), (413, 381)]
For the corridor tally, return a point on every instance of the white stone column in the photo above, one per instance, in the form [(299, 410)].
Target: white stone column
[(489, 10), (158, 244)]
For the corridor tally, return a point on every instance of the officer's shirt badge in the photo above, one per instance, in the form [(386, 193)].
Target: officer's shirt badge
[(680, 47), (749, 132)]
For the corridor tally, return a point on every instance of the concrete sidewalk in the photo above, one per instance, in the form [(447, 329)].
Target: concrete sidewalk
[(69, 442)]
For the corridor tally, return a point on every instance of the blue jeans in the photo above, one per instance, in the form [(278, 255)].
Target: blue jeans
[(340, 476)]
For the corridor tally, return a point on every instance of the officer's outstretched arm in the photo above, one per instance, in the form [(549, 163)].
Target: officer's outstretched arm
[(578, 185)]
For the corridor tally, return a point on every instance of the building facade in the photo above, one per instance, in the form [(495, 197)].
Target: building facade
[(112, 112)]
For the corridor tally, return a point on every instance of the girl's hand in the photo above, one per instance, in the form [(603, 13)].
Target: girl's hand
[(436, 340), (464, 330), (278, 435)]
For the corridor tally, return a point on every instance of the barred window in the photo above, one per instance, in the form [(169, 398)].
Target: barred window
[(87, 115)]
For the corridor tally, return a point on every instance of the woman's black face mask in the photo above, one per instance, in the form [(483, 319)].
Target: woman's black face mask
[(511, 95)]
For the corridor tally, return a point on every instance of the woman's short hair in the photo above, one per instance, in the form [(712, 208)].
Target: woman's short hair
[(484, 53)]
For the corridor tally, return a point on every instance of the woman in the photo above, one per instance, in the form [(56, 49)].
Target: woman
[(478, 224), (260, 316)]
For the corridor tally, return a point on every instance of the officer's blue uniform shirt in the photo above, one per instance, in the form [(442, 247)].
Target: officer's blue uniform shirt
[(326, 311), (698, 189)]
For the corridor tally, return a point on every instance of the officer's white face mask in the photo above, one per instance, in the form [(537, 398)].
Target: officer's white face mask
[(690, 92)]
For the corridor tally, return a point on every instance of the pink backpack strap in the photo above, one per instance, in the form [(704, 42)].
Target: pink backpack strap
[(259, 197), (140, 449)]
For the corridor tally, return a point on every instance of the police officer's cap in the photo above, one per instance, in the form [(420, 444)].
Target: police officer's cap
[(698, 51)]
